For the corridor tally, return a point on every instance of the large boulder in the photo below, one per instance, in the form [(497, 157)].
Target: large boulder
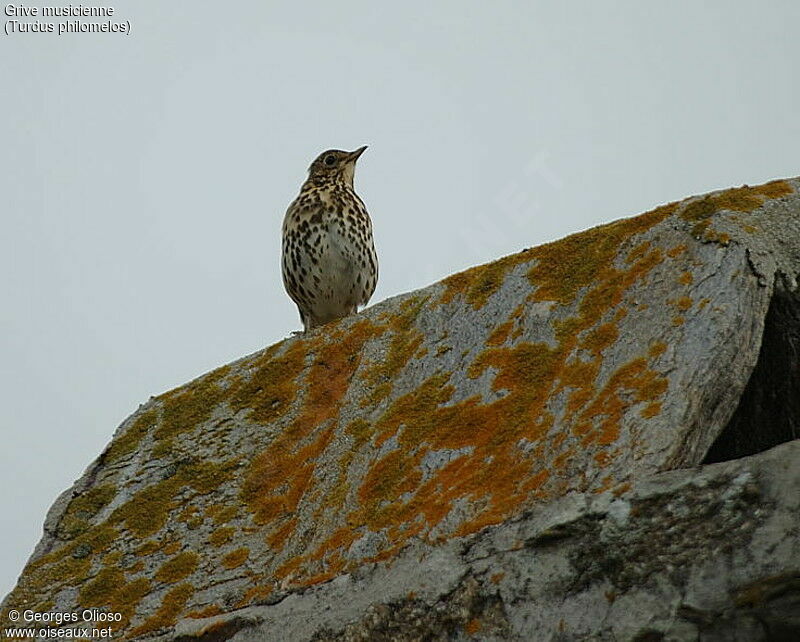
[(484, 458)]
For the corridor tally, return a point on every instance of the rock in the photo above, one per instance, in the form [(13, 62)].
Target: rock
[(521, 451)]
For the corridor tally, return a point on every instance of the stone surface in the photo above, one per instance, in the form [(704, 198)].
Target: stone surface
[(696, 554), (486, 458)]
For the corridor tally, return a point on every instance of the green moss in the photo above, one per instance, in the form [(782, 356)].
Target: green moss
[(225, 515), (127, 597), (129, 440), (190, 513), (93, 500), (187, 407), (99, 538), (143, 515), (477, 284), (67, 566), (488, 280), (207, 476), (272, 387), (565, 267), (146, 512), (171, 606), (164, 447), (148, 548), (109, 589), (404, 343), (99, 590), (81, 509), (44, 577), (112, 559), (177, 568), (222, 536)]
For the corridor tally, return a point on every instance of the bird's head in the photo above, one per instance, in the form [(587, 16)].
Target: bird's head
[(335, 165)]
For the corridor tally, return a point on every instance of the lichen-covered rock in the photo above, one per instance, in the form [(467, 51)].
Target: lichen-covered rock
[(338, 485)]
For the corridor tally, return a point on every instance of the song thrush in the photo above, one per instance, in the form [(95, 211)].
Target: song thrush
[(329, 264)]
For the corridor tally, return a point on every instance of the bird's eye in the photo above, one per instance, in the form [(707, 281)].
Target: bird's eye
[(330, 159)]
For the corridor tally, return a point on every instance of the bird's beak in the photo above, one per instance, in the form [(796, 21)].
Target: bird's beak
[(354, 155)]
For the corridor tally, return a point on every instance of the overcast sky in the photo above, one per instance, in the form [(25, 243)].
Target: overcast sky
[(144, 177)]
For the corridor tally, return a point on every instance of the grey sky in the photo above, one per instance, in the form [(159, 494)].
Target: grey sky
[(144, 177)]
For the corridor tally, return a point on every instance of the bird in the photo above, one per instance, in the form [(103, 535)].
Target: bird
[(328, 260)]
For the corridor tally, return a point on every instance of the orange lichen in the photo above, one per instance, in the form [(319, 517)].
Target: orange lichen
[(255, 594), (223, 515), (602, 458), (687, 278), (684, 303), (453, 286), (500, 334), (320, 578), (721, 238), (236, 558), (277, 538), (208, 611), (775, 189), (676, 251), (600, 338), (280, 476), (621, 489), (739, 199), (496, 577), (564, 267), (221, 536), (177, 568), (473, 626), (638, 252), (526, 371), (635, 380), (656, 349), (170, 547), (477, 284), (652, 409), (394, 497)]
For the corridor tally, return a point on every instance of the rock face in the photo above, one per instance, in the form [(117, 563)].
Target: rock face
[(492, 457)]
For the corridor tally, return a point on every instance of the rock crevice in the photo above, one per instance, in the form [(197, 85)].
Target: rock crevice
[(768, 411)]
